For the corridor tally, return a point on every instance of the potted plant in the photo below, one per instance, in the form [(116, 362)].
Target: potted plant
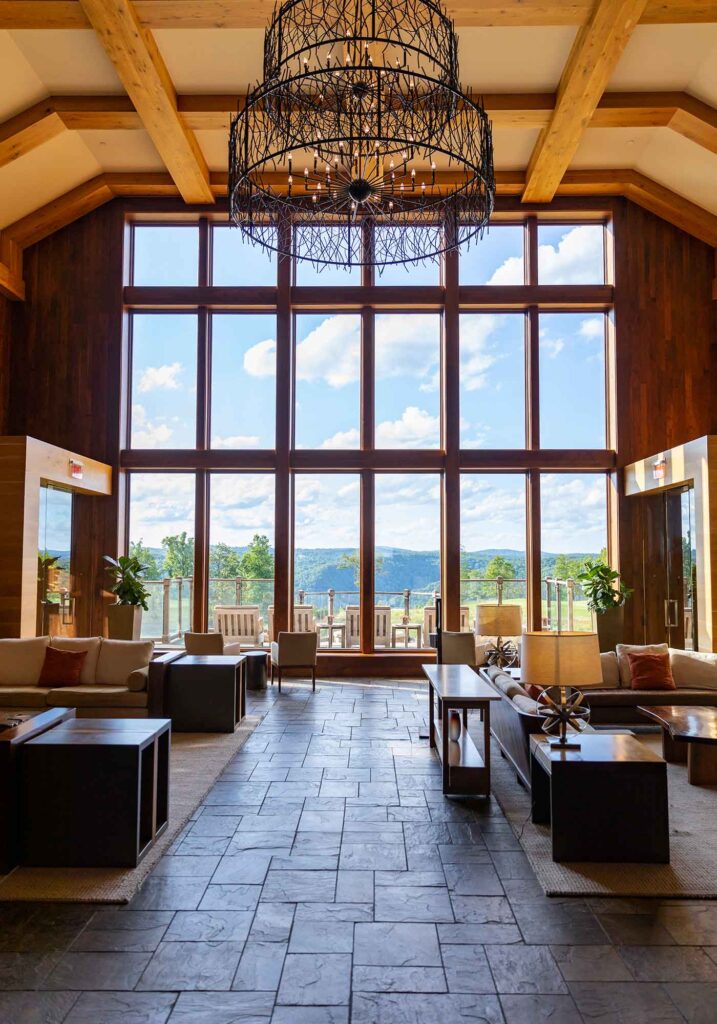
[(124, 619), (606, 595)]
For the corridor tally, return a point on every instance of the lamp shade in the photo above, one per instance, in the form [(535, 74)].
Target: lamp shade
[(498, 620), (560, 659)]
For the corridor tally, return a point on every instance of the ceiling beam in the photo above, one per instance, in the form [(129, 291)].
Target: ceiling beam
[(59, 213), (142, 71), (11, 282), (595, 52), (28, 130), (68, 14)]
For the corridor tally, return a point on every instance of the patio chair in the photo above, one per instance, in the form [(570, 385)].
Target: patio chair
[(304, 618), (353, 625), (294, 650), (429, 620), (382, 626), (209, 643), (241, 624)]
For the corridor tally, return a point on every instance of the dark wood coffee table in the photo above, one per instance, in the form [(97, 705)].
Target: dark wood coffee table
[(12, 737), (459, 688), (688, 734), (206, 692), (605, 802)]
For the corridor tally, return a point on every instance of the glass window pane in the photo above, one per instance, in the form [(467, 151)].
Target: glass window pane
[(407, 555), (241, 556), (496, 258), (166, 255), (573, 529), (161, 535), (328, 360), (326, 556), (425, 272), (572, 380), (318, 274), (408, 360), (571, 254), (243, 380), (164, 380), (492, 380), (493, 540), (235, 261)]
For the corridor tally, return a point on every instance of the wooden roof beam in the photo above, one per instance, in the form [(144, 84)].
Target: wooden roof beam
[(595, 52), (68, 14), (142, 71), (28, 130)]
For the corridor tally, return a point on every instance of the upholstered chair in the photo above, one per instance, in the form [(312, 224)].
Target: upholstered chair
[(458, 648), (209, 643), (294, 650)]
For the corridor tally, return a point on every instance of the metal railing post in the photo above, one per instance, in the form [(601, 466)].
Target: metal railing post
[(237, 589), (570, 585), (499, 589), (166, 583), (548, 611), (330, 615), (180, 595), (406, 606)]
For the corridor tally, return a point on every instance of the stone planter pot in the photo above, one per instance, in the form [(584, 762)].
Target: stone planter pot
[(610, 628), (124, 621)]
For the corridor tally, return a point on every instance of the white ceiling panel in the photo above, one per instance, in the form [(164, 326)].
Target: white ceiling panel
[(123, 150), (682, 166), (68, 60), (663, 56), (43, 175), (513, 147), (212, 60), (20, 87), (611, 147), (513, 59)]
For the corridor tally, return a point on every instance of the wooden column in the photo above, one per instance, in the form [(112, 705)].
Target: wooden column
[(450, 430), (283, 569), (532, 432), (200, 608), (367, 571)]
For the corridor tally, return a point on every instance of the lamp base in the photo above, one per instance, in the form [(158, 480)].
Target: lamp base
[(564, 745)]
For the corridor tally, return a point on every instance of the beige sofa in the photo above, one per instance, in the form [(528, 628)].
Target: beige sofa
[(515, 717), (119, 678)]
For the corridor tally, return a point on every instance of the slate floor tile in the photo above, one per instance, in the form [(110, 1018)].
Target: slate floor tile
[(473, 879), (284, 886), (187, 966), (541, 1009), (624, 1003), (407, 1008), (98, 971), (373, 857), (467, 968), (310, 1015), (524, 969), (209, 926), (590, 963), (406, 903), (272, 922), (138, 931), (230, 897), (223, 1008), (122, 1008), (322, 937), (696, 1001), (158, 893), (35, 1007), (398, 979), (676, 963), (317, 979), (260, 967), (396, 945)]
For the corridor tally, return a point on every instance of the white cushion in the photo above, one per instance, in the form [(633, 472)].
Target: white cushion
[(610, 671), (119, 658), (21, 661), (622, 651), (693, 669), (91, 644)]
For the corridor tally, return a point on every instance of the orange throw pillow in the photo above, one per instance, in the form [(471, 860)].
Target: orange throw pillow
[(61, 668), (651, 671), (533, 690)]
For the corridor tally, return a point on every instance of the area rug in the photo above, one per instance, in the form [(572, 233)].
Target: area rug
[(197, 759), (692, 871)]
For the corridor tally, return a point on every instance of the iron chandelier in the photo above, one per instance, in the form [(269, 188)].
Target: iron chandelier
[(361, 122)]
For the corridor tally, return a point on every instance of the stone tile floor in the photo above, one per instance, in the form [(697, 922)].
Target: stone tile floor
[(326, 879)]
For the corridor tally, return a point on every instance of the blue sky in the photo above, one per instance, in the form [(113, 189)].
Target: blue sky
[(407, 396)]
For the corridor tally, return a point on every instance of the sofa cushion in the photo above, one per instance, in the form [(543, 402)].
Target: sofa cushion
[(694, 669), (610, 670), (651, 671), (507, 685), (119, 658), (137, 680), (61, 668), (622, 651), (21, 660), (91, 644), (23, 696), (633, 698), (96, 697), (526, 704)]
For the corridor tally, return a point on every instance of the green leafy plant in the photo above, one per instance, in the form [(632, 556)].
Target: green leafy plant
[(602, 587), (127, 574)]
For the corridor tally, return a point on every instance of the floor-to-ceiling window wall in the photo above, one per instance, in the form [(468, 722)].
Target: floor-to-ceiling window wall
[(335, 449)]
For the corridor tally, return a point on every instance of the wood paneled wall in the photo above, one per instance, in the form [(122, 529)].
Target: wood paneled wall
[(5, 330), (65, 367), (666, 360)]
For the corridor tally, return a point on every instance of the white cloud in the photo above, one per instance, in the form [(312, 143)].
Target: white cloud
[(148, 433), (573, 512), (260, 359), (577, 258), (161, 504), (415, 429), (551, 346), (510, 272), (343, 439), (236, 441), (160, 378), (477, 356), (593, 328)]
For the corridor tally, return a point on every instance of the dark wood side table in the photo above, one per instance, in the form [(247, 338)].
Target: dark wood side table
[(95, 792), (206, 693), (11, 741), (459, 688), (606, 802), (689, 735)]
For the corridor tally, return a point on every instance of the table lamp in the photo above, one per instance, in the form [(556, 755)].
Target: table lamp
[(499, 620), (571, 662)]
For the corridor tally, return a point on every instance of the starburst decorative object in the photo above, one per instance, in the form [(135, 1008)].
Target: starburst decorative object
[(361, 121), (500, 621), (562, 707)]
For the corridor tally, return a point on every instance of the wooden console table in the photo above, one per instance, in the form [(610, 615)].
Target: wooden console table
[(605, 802), (688, 734), (459, 688)]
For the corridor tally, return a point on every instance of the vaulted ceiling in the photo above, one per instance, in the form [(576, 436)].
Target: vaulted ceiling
[(102, 98)]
